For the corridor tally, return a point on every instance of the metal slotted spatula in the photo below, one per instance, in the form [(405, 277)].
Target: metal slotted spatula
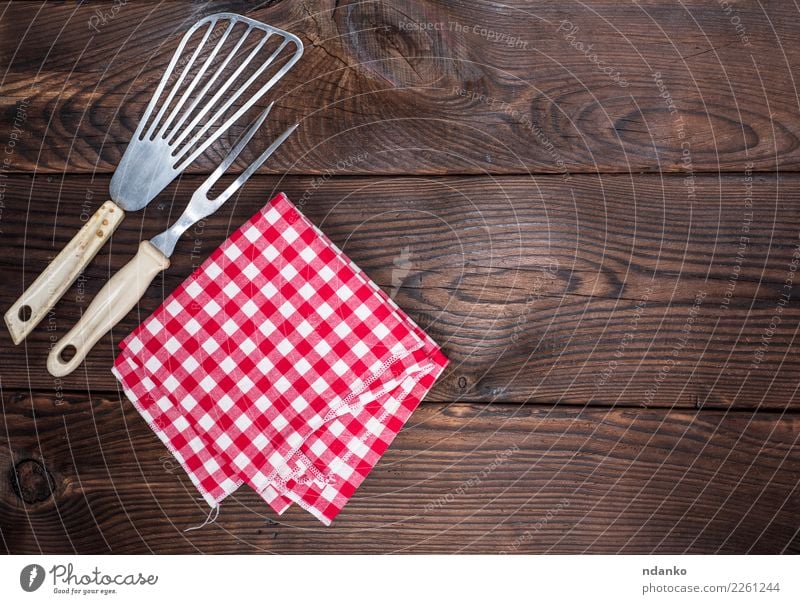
[(223, 65), (127, 286)]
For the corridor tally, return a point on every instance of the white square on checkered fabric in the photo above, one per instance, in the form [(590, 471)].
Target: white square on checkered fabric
[(336, 427), (266, 327), (174, 308), (243, 422), (171, 383), (206, 422), (231, 290), (228, 365), (250, 309), (213, 270), (135, 346), (318, 447), (225, 403), (190, 364), (374, 426), (322, 348), (343, 470), (294, 440), (230, 327), (376, 366), (265, 365), (245, 384), (342, 330), (212, 308), (208, 383), (280, 422), (282, 385), (223, 441), (154, 326), (290, 235), (340, 367), (344, 292), (252, 234), (329, 493), (320, 385), (251, 271), (381, 331), (152, 364), (299, 404), (357, 447), (287, 310), (188, 402), (288, 272), (180, 423), (362, 312), (285, 347), (326, 274), (308, 254), (247, 346), (192, 326), (269, 290), (194, 289), (232, 251), (305, 328), (241, 461), (276, 460), (307, 291), (360, 349), (260, 441), (272, 215), (172, 345), (210, 345), (324, 310), (211, 465), (262, 403), (196, 444), (302, 366), (270, 253), (164, 403)]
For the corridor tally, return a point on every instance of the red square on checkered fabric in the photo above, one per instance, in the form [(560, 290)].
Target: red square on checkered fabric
[(278, 363)]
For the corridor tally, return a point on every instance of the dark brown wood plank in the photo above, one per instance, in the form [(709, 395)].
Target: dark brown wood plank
[(459, 478), (434, 87), (538, 291)]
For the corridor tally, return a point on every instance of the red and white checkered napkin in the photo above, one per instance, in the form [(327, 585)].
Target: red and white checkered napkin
[(279, 364)]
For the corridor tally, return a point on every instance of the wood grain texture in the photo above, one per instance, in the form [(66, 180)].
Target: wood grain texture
[(539, 291), (459, 478), (589, 205), (433, 87)]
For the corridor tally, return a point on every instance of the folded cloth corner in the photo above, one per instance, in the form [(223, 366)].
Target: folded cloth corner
[(280, 364)]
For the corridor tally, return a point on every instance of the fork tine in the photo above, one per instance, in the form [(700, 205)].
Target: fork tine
[(237, 149), (242, 178)]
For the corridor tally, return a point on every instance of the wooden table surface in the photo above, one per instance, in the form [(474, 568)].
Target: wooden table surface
[(594, 207)]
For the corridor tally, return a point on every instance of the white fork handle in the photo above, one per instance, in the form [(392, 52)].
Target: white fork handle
[(111, 304), (32, 306)]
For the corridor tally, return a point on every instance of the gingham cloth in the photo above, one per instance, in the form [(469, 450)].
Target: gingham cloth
[(280, 364)]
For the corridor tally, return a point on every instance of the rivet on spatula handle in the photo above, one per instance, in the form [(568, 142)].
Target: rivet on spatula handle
[(32, 306), (109, 306)]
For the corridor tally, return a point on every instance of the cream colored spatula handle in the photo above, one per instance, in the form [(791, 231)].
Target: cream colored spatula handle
[(111, 304), (32, 306)]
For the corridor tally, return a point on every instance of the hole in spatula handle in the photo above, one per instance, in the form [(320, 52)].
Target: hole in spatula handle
[(25, 313), (67, 353)]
